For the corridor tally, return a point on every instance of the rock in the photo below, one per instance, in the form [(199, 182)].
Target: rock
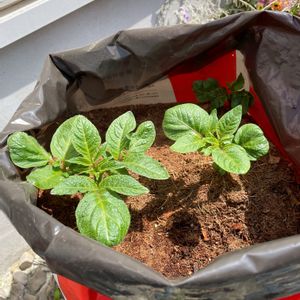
[(43, 294), (47, 291), (26, 261), (17, 291), (28, 279), (30, 297), (20, 277), (36, 281)]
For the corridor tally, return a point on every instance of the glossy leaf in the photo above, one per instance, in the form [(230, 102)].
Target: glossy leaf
[(185, 118), (121, 171), (212, 140), (26, 152), (102, 151), (75, 184), (116, 134), (46, 177), (232, 158), (86, 139), (212, 122), (109, 165), (229, 122), (61, 144), (209, 90), (190, 142), (123, 184), (243, 98), (79, 160), (218, 99), (103, 217), (252, 139), (142, 139), (146, 166), (238, 84), (207, 151), (226, 139)]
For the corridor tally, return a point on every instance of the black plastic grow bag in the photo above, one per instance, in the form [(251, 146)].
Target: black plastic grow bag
[(82, 79)]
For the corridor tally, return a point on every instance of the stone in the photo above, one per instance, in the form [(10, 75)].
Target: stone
[(44, 294), (26, 261), (20, 277), (36, 281), (30, 297), (47, 290), (17, 291)]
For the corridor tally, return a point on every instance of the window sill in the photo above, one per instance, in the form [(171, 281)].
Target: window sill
[(21, 20)]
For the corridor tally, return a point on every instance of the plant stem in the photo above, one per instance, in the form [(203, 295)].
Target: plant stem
[(247, 4)]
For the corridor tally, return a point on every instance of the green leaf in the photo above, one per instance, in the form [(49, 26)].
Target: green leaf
[(212, 122), (75, 184), (116, 134), (190, 142), (145, 166), (208, 150), (226, 139), (243, 98), (212, 140), (46, 178), (79, 160), (209, 90), (103, 217), (252, 139), (237, 84), (142, 139), (210, 83), (122, 171), (86, 139), (61, 143), (232, 158), (230, 122), (202, 89), (101, 152), (219, 96), (26, 152), (74, 169), (109, 165), (185, 118), (123, 184)]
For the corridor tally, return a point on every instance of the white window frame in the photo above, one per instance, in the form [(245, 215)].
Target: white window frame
[(20, 22), (7, 3)]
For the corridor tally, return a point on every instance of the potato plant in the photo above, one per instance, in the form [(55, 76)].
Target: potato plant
[(79, 163), (210, 91), (232, 148)]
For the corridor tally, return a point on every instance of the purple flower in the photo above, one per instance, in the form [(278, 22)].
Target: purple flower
[(184, 12)]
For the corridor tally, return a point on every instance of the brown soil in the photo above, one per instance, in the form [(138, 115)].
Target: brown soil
[(187, 221)]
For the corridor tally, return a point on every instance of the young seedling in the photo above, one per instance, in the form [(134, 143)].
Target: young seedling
[(210, 91), (79, 163), (232, 149)]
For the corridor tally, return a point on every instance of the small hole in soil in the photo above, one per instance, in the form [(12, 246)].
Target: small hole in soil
[(184, 229)]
